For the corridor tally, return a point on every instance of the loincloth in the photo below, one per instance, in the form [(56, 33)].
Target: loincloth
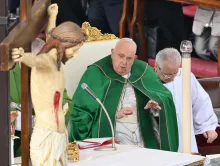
[(48, 147)]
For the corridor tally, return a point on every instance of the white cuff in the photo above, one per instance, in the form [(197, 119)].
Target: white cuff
[(18, 122)]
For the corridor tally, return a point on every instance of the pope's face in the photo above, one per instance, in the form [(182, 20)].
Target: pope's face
[(123, 57)]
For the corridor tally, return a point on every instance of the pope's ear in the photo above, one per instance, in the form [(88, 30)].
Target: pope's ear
[(112, 51)]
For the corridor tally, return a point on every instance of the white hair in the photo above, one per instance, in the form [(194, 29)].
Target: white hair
[(171, 55), (126, 40)]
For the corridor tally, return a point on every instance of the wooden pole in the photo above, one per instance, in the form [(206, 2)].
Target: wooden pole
[(5, 136), (26, 116)]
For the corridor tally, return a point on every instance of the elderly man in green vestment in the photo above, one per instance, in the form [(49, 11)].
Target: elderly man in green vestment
[(131, 93)]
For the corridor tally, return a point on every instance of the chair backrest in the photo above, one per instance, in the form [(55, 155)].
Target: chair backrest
[(212, 87), (97, 47)]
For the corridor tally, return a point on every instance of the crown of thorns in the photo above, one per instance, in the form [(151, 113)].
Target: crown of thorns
[(79, 40)]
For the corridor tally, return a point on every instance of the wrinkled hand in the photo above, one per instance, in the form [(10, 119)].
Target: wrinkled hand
[(65, 108), (17, 54), (52, 10), (211, 135), (124, 112), (152, 104), (13, 115)]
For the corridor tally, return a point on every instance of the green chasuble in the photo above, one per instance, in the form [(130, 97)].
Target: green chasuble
[(15, 89), (66, 99), (88, 120), (15, 96)]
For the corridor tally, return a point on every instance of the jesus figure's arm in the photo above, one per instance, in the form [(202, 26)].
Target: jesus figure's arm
[(52, 12), (41, 61)]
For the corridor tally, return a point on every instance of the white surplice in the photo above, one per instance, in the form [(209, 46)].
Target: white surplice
[(203, 116), (127, 128)]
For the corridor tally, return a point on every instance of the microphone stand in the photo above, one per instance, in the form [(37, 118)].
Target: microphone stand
[(107, 148), (85, 87)]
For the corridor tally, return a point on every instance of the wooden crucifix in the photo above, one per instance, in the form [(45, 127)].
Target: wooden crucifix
[(32, 22)]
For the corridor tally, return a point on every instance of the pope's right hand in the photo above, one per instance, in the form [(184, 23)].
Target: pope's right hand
[(14, 115), (17, 54), (124, 112)]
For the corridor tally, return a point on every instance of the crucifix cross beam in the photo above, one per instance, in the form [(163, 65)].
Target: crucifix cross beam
[(32, 22)]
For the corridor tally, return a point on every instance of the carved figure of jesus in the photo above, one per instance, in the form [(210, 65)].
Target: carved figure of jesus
[(49, 138)]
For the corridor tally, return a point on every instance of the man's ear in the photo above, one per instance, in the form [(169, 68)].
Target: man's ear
[(112, 51), (155, 67), (135, 57)]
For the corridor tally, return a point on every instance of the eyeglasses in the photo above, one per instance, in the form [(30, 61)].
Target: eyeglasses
[(168, 77)]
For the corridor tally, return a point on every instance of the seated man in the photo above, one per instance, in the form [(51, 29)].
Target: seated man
[(128, 88), (204, 119)]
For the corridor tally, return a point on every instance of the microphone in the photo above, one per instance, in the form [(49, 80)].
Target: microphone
[(85, 87), (15, 106)]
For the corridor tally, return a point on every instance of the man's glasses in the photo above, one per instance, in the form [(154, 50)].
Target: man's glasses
[(168, 77)]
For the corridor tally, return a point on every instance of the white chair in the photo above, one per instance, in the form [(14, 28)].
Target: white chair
[(89, 53)]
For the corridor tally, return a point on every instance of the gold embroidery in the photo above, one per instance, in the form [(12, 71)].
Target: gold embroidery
[(101, 108), (140, 76), (73, 151), (145, 95), (107, 75), (138, 115), (119, 104), (198, 163), (165, 110), (94, 34)]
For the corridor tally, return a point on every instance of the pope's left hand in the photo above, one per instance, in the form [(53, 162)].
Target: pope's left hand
[(152, 104), (211, 135)]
